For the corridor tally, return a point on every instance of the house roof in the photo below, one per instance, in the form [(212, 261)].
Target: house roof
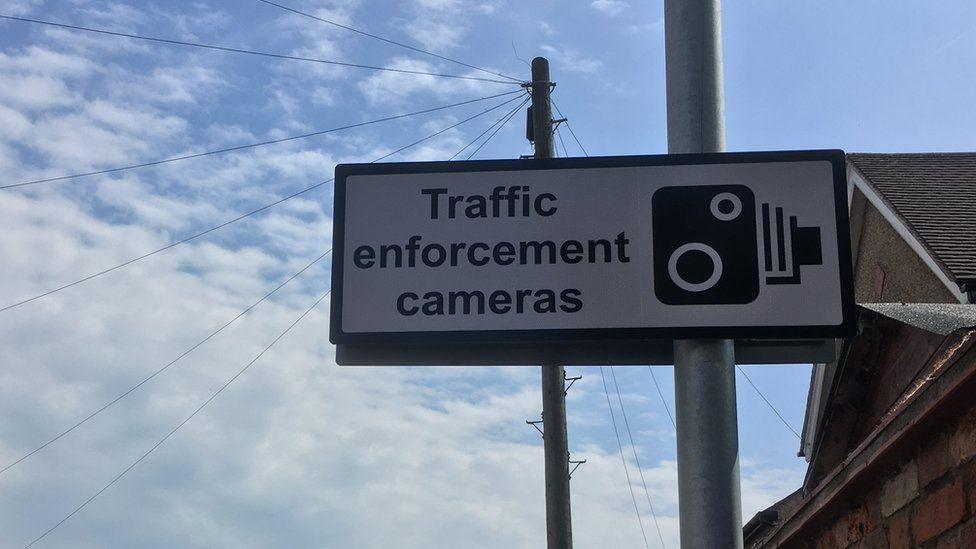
[(935, 195), (938, 318)]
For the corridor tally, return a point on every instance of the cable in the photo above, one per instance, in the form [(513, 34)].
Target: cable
[(500, 126), (451, 127), (479, 136), (486, 130), (253, 145), (164, 368), (633, 447), (568, 126), (620, 400), (205, 232), (661, 394), (164, 248), (620, 445), (251, 52), (213, 396), (559, 134), (180, 425), (768, 403), (387, 40)]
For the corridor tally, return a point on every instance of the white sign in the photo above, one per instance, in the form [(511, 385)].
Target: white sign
[(748, 245)]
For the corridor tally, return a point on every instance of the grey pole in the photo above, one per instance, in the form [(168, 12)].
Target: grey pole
[(559, 524), (709, 505)]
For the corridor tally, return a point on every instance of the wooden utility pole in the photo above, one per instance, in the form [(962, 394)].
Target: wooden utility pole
[(559, 526)]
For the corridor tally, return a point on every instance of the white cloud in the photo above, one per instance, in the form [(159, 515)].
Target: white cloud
[(762, 487), (570, 59), (610, 7), (436, 36), (183, 84), (654, 27), (438, 4), (33, 92), (393, 87), (14, 122), (39, 60), (323, 97), (119, 15), (18, 7)]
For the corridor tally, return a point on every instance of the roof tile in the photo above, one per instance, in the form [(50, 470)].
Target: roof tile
[(935, 194)]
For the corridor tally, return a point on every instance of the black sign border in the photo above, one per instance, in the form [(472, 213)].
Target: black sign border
[(837, 159)]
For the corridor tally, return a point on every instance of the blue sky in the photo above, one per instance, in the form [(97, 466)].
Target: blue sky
[(299, 452)]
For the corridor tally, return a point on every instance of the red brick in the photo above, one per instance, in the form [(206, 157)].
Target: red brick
[(967, 534), (874, 540), (899, 532), (938, 511), (803, 544), (948, 541), (969, 475), (860, 521), (963, 442), (899, 489), (934, 459), (839, 531), (826, 539), (960, 537)]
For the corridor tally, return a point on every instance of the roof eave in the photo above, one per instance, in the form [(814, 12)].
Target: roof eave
[(860, 181)]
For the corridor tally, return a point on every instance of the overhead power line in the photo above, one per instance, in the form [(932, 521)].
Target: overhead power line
[(500, 126), (225, 223), (660, 393), (451, 127), (164, 248), (251, 52), (501, 120), (633, 447), (178, 426), (258, 144), (150, 377), (570, 127), (768, 403), (616, 431), (387, 40), (620, 446), (238, 374), (559, 134)]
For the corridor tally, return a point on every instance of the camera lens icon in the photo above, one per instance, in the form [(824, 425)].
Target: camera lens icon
[(725, 207), (705, 245), (681, 280)]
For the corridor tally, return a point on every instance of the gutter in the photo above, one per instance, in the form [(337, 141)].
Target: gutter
[(920, 409)]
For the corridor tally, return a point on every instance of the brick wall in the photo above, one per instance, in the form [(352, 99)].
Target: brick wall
[(928, 500)]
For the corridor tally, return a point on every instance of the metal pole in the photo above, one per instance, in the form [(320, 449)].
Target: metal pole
[(709, 505), (559, 527)]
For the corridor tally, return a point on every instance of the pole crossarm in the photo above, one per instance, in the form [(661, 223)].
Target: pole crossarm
[(536, 425), (571, 380), (576, 465)]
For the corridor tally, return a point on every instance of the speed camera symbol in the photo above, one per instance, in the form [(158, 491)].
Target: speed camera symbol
[(706, 245)]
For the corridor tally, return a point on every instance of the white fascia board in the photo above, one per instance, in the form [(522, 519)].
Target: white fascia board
[(858, 179), (811, 421)]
